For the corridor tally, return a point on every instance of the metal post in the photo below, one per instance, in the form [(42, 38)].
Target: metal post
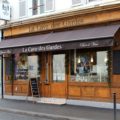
[(2, 92), (114, 105), (2, 81)]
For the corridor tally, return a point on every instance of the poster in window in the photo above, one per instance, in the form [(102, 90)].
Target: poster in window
[(21, 66), (83, 64), (33, 66)]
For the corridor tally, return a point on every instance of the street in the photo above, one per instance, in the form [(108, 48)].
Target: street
[(14, 116), (10, 115), (21, 110)]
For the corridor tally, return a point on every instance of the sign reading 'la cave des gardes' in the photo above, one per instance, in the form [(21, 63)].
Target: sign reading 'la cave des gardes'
[(4, 10)]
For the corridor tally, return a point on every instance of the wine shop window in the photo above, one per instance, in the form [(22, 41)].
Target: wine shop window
[(22, 66), (89, 66)]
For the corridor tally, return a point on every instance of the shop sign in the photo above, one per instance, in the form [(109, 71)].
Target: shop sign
[(4, 10), (60, 46), (42, 48), (89, 44), (6, 51)]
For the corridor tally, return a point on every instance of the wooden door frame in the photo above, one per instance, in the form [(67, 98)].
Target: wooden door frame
[(66, 75)]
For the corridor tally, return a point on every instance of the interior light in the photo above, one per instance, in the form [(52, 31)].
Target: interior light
[(105, 59), (91, 60), (79, 61)]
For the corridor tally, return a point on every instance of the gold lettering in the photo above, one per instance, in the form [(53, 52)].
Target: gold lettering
[(79, 20), (45, 26), (33, 28)]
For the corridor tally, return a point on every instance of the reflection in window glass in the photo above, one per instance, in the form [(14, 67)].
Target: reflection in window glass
[(35, 7), (33, 66), (89, 66), (8, 67), (42, 7), (21, 66), (59, 67)]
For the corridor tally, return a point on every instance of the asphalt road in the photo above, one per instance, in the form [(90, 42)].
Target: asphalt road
[(14, 116), (46, 111)]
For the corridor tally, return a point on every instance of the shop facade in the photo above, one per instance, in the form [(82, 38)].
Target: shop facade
[(69, 59)]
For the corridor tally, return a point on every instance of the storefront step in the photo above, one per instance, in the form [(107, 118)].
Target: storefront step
[(106, 105), (57, 101)]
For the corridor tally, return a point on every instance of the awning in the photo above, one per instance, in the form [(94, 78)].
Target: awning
[(100, 36)]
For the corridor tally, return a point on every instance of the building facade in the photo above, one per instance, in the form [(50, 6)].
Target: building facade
[(73, 50)]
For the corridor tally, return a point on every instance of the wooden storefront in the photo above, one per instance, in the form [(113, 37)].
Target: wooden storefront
[(49, 28)]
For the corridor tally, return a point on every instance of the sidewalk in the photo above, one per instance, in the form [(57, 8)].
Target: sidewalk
[(57, 112)]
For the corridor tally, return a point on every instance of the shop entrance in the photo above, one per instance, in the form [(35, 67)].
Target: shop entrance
[(54, 82)]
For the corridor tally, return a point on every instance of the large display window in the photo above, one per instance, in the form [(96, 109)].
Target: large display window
[(22, 66), (89, 66)]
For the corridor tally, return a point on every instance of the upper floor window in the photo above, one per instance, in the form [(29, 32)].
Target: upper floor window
[(42, 6), (49, 5), (77, 2), (92, 0), (34, 7), (22, 8)]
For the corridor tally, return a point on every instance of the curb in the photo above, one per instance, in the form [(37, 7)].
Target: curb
[(42, 115)]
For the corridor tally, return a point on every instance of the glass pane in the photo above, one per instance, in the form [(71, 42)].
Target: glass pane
[(35, 7), (116, 62), (89, 66), (21, 66), (92, 0), (42, 7), (102, 66), (59, 67), (33, 66), (49, 5), (74, 2)]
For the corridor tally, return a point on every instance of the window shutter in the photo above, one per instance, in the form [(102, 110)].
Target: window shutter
[(49, 5), (22, 8)]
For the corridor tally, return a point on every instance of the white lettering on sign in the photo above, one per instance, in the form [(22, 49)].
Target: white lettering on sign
[(89, 44), (42, 48)]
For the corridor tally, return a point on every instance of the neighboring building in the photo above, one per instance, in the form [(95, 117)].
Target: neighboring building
[(71, 47), (0, 63)]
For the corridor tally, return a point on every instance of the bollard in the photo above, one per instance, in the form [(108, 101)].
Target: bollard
[(114, 105)]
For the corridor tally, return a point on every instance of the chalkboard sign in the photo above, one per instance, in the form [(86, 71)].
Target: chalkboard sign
[(34, 87), (116, 62)]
